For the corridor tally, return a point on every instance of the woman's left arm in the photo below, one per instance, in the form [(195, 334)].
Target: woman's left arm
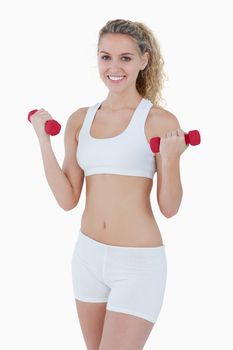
[(172, 145), (170, 194)]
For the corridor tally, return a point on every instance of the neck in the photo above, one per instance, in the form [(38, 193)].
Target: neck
[(119, 101)]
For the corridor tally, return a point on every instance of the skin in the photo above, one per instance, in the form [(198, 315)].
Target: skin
[(107, 218), (118, 209)]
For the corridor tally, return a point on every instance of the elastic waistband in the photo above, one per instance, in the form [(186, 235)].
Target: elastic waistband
[(93, 242)]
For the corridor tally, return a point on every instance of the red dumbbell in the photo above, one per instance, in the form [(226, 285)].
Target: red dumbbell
[(193, 138), (52, 127)]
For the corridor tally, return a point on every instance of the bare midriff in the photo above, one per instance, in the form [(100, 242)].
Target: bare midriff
[(118, 209)]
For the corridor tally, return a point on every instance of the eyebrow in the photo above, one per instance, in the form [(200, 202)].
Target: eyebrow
[(125, 53)]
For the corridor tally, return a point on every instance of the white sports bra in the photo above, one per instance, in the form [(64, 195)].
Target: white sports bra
[(128, 153)]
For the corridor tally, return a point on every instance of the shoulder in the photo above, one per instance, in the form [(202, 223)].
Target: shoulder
[(78, 115), (163, 121), (74, 124), (76, 119)]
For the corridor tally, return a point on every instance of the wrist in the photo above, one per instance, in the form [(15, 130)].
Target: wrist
[(169, 160), (44, 141)]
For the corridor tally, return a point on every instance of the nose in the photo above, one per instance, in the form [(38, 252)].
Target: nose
[(114, 66)]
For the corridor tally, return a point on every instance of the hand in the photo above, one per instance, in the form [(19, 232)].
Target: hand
[(172, 144), (38, 122)]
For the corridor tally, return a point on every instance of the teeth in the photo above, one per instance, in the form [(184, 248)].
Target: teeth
[(115, 78)]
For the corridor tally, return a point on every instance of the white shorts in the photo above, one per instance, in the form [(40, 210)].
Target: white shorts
[(131, 280)]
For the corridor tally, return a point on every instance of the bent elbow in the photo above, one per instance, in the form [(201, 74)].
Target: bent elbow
[(68, 207), (169, 210), (169, 215)]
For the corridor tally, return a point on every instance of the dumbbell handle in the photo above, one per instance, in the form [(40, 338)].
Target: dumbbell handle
[(52, 127), (193, 138)]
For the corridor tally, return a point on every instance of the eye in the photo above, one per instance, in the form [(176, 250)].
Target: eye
[(105, 57), (126, 58)]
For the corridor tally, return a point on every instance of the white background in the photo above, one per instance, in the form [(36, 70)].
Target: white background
[(48, 60)]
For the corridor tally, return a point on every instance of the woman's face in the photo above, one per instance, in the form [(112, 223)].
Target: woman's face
[(119, 61)]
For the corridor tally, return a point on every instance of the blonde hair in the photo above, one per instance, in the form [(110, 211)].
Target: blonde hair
[(150, 81)]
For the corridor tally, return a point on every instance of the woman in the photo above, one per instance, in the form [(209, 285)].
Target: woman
[(119, 261)]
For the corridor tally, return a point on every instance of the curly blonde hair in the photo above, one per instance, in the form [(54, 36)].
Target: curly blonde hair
[(150, 81)]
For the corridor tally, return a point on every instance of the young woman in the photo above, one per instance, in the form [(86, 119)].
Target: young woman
[(119, 260)]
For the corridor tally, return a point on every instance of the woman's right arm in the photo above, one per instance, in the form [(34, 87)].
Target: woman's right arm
[(66, 183)]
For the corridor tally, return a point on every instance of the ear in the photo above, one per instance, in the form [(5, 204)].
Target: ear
[(145, 59)]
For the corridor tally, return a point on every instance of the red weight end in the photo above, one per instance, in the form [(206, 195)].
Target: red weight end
[(52, 127), (194, 137), (154, 144), (31, 113)]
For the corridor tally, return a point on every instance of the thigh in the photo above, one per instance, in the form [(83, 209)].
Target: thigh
[(137, 284), (90, 291), (88, 285), (141, 297), (124, 332), (91, 318)]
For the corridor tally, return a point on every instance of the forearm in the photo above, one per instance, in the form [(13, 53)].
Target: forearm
[(171, 192), (57, 180)]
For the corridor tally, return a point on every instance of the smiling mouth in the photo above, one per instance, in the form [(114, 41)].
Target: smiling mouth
[(116, 77)]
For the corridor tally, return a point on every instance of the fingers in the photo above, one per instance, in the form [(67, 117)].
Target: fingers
[(180, 132), (177, 132), (38, 121), (42, 114)]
